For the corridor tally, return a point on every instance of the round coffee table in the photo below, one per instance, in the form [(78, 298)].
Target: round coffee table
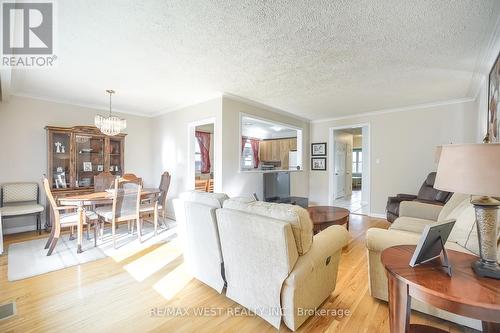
[(325, 216), (464, 293)]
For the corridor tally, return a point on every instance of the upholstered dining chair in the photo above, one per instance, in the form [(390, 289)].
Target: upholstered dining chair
[(64, 220), (125, 207), (160, 204), (132, 177), (104, 181)]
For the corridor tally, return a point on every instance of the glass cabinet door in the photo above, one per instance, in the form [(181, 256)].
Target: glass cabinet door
[(115, 157), (89, 159), (60, 160)]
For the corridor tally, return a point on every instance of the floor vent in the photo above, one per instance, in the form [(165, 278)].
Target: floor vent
[(7, 310)]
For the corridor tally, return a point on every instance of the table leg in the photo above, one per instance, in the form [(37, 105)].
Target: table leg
[(491, 327), (81, 216), (399, 305)]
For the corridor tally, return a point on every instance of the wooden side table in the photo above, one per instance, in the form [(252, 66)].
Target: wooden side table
[(464, 293), (325, 216)]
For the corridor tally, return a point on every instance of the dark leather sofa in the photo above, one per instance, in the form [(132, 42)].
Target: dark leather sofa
[(427, 194)]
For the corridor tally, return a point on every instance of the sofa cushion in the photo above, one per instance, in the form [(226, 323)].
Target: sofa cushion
[(410, 224), (13, 210), (452, 209), (210, 199), (298, 217)]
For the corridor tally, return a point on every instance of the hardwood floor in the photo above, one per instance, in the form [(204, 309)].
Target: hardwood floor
[(132, 294)]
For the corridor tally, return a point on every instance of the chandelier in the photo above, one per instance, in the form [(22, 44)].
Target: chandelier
[(110, 125)]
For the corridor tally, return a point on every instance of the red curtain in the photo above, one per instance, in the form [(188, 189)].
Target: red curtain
[(255, 149), (203, 139)]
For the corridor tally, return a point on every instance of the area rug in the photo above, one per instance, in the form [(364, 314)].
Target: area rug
[(29, 258)]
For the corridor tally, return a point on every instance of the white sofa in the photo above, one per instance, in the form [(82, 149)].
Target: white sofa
[(197, 228), (414, 216), (273, 264)]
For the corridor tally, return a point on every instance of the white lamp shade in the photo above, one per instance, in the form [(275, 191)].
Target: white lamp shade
[(470, 169)]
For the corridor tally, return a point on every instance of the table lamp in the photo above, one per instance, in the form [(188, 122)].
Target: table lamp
[(475, 169)]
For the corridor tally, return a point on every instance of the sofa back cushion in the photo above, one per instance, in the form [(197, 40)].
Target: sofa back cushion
[(214, 200), (454, 207), (298, 217)]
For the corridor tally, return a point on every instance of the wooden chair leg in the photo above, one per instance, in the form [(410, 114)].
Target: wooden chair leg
[(52, 245), (72, 233), (113, 231), (51, 237), (54, 241), (96, 232), (88, 231), (139, 229)]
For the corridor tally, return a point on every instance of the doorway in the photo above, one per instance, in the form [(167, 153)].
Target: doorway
[(349, 175), (202, 156)]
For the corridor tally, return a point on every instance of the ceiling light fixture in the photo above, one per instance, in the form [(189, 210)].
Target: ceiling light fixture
[(110, 125)]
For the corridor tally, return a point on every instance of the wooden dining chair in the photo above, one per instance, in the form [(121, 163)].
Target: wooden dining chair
[(132, 177), (125, 207), (201, 185), (104, 181), (210, 186), (65, 220), (159, 204)]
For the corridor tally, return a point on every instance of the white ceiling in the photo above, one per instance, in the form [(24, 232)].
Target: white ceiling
[(316, 59)]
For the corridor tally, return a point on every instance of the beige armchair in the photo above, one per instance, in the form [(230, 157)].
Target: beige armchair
[(406, 229), (273, 264), (198, 232)]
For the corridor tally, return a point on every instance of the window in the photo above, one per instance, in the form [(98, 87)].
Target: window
[(197, 157), (247, 155), (357, 161)]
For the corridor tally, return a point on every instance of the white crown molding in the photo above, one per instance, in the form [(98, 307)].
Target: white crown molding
[(400, 109), (82, 105), (264, 106), (485, 60)]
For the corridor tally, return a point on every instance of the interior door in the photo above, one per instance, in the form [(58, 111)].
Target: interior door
[(340, 169)]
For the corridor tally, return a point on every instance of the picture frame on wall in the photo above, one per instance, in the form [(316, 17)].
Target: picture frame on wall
[(493, 130), (318, 163), (318, 149)]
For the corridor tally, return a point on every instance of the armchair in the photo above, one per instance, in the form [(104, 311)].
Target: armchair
[(426, 194)]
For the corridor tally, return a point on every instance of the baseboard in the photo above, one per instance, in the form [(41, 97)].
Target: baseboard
[(15, 230)]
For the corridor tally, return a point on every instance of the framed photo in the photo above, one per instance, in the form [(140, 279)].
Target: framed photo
[(100, 167), (493, 100), (318, 149), (87, 166), (60, 180), (318, 163)]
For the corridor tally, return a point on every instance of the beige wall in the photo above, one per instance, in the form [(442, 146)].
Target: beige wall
[(402, 147), (170, 139), (23, 141), (236, 183), (357, 142)]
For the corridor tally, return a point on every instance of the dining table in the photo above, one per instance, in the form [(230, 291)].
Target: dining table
[(100, 198)]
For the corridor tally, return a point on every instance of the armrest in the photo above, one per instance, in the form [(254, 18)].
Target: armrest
[(378, 239), (396, 199), (406, 196), (325, 244), (419, 210), (66, 207)]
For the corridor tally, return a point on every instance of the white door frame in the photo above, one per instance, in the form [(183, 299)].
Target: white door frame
[(191, 172), (366, 177)]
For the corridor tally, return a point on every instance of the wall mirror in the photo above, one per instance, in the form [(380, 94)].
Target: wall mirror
[(268, 146)]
